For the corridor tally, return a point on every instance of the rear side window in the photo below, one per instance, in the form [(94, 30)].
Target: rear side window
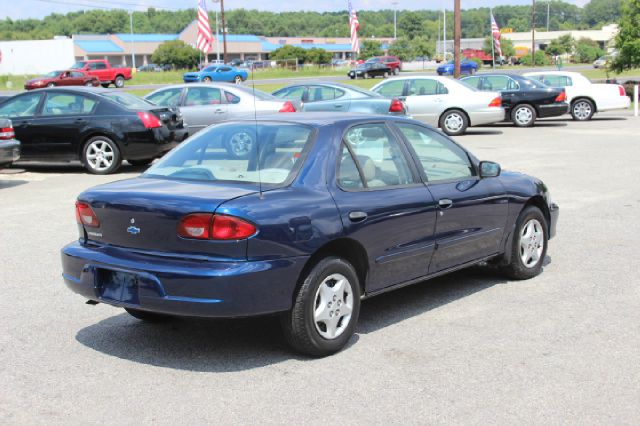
[(391, 88), (197, 96), (321, 93), (290, 93), (496, 82), (555, 80), (234, 152), (472, 81), (426, 87), (348, 173), (166, 98), (231, 98), (21, 106), (67, 104)]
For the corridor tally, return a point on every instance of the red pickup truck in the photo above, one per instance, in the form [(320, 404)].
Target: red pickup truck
[(104, 71)]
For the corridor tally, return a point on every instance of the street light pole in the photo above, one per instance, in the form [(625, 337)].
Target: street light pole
[(224, 31), (217, 35), (395, 26), (133, 54), (457, 29), (533, 34)]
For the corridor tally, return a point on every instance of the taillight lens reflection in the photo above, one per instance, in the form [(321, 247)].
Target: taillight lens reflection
[(85, 215), (561, 97), (149, 120), (396, 106), (7, 133), (205, 226), (496, 102), (288, 107)]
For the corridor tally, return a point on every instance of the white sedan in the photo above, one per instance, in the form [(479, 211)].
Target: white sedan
[(585, 97), (443, 102)]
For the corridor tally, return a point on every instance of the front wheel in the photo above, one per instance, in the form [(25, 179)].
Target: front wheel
[(207, 80), (326, 309), (101, 156), (51, 85), (529, 246), (119, 82), (396, 71), (237, 79), (386, 75), (582, 110), (523, 115), (454, 122), (366, 75)]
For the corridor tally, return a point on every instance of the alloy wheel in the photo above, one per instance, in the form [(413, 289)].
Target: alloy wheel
[(454, 122), (333, 306), (100, 155), (531, 243), (582, 110), (241, 144), (523, 116)]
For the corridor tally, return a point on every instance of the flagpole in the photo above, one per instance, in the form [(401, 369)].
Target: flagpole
[(493, 42)]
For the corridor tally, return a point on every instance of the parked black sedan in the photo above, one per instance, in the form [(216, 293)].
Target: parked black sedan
[(96, 126), (523, 99), (9, 146), (370, 70)]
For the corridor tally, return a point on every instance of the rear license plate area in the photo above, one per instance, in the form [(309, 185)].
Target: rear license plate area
[(117, 286)]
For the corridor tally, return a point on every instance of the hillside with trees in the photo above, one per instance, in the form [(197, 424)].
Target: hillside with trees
[(411, 24)]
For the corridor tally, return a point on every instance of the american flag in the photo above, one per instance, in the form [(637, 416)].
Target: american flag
[(495, 32), (205, 37), (355, 26)]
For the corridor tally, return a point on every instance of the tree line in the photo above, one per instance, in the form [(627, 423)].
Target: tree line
[(411, 24)]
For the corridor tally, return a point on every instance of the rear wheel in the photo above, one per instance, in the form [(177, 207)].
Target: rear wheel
[(396, 71), (147, 316), (386, 75), (582, 110), (143, 162), (237, 79), (529, 246), (88, 84), (51, 85), (101, 155), (454, 122), (326, 309), (207, 79), (119, 82), (366, 75), (523, 115)]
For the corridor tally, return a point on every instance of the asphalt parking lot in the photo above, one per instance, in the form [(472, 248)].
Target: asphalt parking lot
[(467, 348)]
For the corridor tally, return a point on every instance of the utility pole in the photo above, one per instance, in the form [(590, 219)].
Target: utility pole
[(548, 6), (456, 38), (438, 43), (217, 33), (444, 34), (224, 31), (395, 26), (533, 34)]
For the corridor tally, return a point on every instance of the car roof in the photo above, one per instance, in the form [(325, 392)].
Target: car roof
[(563, 73), (320, 119)]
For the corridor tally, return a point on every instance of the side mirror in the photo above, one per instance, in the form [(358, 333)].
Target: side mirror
[(489, 169)]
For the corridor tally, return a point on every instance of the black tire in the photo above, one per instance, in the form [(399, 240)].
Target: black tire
[(396, 71), (516, 268), (523, 115), (88, 84), (385, 75), (105, 85), (582, 109), (447, 120), (299, 325), (366, 75), (119, 82), (147, 316), (240, 143), (352, 77), (237, 79), (143, 162), (51, 85), (207, 79), (99, 167)]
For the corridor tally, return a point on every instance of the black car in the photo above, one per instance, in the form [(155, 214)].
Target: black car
[(9, 146), (370, 69), (96, 126), (523, 99)]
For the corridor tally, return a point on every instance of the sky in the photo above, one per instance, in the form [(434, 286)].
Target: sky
[(41, 8)]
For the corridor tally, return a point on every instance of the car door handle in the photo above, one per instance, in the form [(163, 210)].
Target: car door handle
[(445, 203), (219, 111), (337, 106), (357, 216), (81, 121)]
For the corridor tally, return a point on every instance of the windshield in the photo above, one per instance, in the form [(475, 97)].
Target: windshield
[(127, 100), (78, 65), (52, 74), (248, 152)]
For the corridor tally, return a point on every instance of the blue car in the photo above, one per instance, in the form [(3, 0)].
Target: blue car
[(326, 210), (466, 67), (217, 73)]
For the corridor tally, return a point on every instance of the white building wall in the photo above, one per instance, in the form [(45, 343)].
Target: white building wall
[(35, 56)]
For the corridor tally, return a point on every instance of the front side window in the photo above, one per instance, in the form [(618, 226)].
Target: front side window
[(100, 66), (441, 159), (22, 106), (472, 81), (295, 93), (379, 156), (320, 93), (67, 104), (266, 153), (166, 98), (555, 80), (426, 87), (197, 96), (391, 88), (496, 83)]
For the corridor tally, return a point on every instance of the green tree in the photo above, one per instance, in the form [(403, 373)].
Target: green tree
[(561, 45), (402, 48), (541, 58), (600, 12), (628, 38), (289, 52), (410, 25), (506, 46), (177, 53), (587, 50), (369, 49), (317, 56), (423, 46)]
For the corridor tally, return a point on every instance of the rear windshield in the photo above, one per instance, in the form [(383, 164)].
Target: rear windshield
[(260, 95), (267, 153), (127, 100)]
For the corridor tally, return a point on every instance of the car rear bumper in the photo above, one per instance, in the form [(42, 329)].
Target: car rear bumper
[(553, 110), (486, 116), (153, 143), (620, 102), (9, 152), (179, 286)]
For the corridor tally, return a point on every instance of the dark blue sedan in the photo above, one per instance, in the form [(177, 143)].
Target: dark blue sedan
[(466, 67), (326, 210)]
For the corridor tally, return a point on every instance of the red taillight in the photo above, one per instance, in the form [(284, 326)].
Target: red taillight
[(205, 226), (496, 102), (562, 97), (149, 120), (622, 91), (7, 133), (287, 107), (396, 106), (85, 215)]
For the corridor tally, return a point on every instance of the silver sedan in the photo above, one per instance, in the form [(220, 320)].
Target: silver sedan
[(443, 102), (203, 104)]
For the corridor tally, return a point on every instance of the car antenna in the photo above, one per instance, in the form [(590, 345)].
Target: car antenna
[(255, 119)]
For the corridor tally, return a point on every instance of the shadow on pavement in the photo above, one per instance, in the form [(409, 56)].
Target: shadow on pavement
[(11, 183), (213, 345), (476, 131), (74, 167)]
